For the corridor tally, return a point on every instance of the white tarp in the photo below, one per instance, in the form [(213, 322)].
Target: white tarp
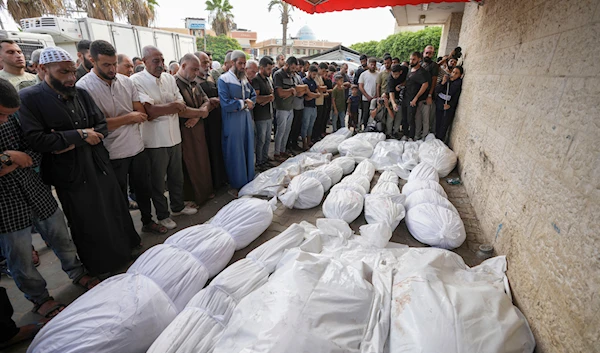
[(438, 155), (343, 204), (357, 148), (428, 196), (350, 186), (387, 154), (211, 245), (179, 273), (310, 304), (388, 176), (304, 192), (267, 183), (357, 179), (245, 219), (436, 226), (347, 164), (371, 137), (424, 171), (333, 170), (415, 185), (386, 188), (441, 305), (329, 144), (381, 208), (124, 313), (321, 176), (366, 169)]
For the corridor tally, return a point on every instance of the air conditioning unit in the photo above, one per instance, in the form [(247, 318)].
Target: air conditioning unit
[(62, 29)]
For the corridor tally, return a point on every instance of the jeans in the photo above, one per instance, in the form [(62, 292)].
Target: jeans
[(296, 128), (138, 170), (308, 121), (166, 161), (408, 121), (340, 118), (263, 139), (16, 247), (284, 126)]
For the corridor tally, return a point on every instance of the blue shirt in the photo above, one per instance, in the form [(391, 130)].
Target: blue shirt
[(354, 103), (312, 86)]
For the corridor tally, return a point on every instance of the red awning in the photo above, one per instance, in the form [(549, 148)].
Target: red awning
[(321, 6)]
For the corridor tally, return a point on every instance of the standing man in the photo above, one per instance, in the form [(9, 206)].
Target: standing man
[(197, 177), (25, 200), (367, 84), (173, 68), (161, 134), (213, 125), (263, 111), (320, 104), (14, 65), (361, 69), (215, 74), (124, 65), (395, 90), (137, 61), (251, 70), (237, 99), (83, 54), (283, 82), (280, 61), (417, 83), (63, 122), (447, 95), (427, 107), (298, 106), (35, 64), (310, 108), (117, 97), (382, 79)]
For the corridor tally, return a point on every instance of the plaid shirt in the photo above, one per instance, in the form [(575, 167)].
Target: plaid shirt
[(22, 192)]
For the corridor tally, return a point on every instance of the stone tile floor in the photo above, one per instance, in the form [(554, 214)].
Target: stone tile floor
[(61, 288)]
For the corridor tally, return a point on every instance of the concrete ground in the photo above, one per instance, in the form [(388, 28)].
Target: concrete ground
[(61, 288)]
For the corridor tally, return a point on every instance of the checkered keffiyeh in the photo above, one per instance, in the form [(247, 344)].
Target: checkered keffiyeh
[(54, 55)]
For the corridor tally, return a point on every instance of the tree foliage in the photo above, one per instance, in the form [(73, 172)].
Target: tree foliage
[(402, 44), (222, 18), (137, 12), (219, 45)]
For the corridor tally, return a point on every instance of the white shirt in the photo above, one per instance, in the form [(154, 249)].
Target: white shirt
[(164, 130), (115, 100), (370, 80)]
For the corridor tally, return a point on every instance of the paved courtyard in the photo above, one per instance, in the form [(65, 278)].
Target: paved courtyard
[(61, 288)]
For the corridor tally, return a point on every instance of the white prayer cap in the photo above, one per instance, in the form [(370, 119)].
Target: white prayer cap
[(55, 55), (236, 54), (216, 65), (35, 56)]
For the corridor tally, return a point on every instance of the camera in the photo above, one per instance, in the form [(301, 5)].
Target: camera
[(456, 53)]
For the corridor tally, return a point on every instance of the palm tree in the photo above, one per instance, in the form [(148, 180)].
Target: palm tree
[(222, 18), (284, 9), (20, 9)]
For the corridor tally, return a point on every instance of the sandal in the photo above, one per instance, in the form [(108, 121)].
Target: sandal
[(155, 228), (88, 284), (53, 308)]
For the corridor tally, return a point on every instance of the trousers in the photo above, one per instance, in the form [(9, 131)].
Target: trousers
[(166, 161)]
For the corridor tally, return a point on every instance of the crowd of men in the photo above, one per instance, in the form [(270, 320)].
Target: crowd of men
[(105, 130)]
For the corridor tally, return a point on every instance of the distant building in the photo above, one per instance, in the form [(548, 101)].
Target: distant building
[(304, 44)]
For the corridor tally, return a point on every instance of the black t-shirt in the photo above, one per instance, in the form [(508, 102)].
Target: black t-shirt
[(414, 81), (433, 69), (393, 82), (329, 85), (262, 85)]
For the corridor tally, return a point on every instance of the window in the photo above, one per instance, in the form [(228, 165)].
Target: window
[(304, 51), (288, 50)]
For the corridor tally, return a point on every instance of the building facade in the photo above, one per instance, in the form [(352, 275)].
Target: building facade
[(304, 44)]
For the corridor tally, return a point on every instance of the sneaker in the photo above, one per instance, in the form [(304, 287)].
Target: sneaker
[(168, 223), (188, 211)]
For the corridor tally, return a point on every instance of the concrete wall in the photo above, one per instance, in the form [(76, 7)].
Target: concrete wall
[(450, 33), (527, 134)]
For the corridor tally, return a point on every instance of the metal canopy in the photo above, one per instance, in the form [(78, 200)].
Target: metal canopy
[(322, 6)]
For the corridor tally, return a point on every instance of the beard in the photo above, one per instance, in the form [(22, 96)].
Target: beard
[(105, 76), (427, 59), (69, 92), (239, 74), (87, 64)]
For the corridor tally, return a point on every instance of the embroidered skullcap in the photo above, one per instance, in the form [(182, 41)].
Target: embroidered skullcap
[(236, 54), (55, 55)]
